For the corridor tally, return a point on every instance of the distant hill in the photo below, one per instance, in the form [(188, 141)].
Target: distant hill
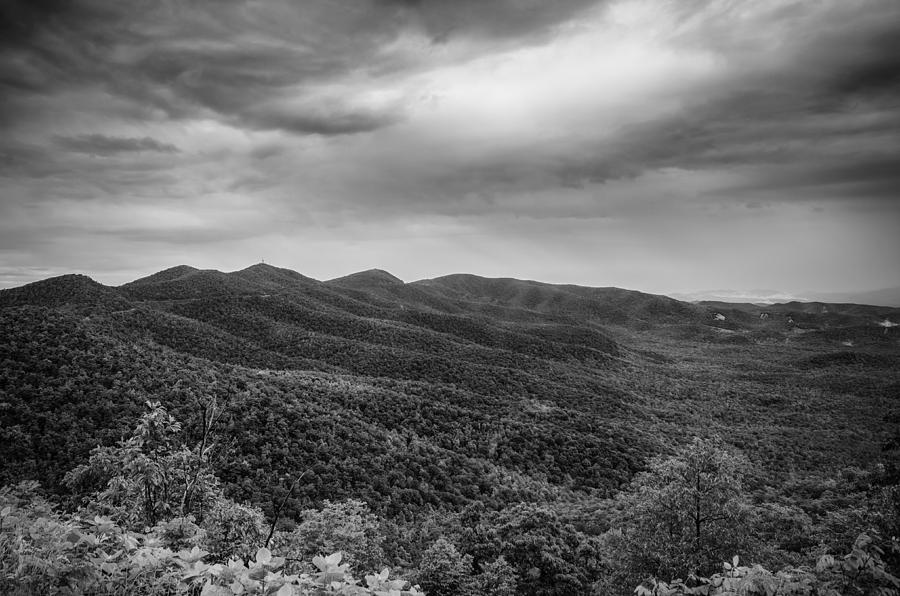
[(609, 305), (883, 297), (761, 296), (182, 282), (367, 279), (72, 289), (167, 275), (273, 278), (886, 297), (828, 311)]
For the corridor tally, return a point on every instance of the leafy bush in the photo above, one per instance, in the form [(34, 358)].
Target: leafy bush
[(264, 574), (861, 571), (233, 530), (45, 552), (150, 476)]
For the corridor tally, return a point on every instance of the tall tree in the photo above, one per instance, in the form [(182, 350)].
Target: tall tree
[(685, 514)]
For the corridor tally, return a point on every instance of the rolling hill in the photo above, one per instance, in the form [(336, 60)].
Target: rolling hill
[(64, 291), (437, 393), (373, 278)]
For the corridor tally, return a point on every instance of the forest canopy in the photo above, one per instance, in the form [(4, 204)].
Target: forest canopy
[(152, 519), (470, 435)]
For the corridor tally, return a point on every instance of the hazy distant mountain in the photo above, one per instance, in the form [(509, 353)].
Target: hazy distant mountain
[(883, 297), (746, 296)]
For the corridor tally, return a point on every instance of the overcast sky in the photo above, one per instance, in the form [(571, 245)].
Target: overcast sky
[(660, 145)]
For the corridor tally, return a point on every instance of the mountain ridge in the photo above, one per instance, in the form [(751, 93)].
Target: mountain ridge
[(187, 282)]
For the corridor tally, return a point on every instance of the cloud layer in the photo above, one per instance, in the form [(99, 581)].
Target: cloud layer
[(667, 146)]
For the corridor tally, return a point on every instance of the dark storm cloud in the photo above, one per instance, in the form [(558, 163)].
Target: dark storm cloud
[(321, 122), (50, 43), (444, 19), (872, 67), (187, 60), (225, 58), (20, 19), (97, 144)]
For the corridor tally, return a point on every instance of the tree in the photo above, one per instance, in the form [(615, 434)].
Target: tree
[(348, 527), (682, 516), (548, 555), (443, 571), (151, 476), (497, 578)]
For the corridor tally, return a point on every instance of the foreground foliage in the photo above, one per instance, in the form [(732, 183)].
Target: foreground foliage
[(156, 522), (152, 519), (45, 552), (861, 571)]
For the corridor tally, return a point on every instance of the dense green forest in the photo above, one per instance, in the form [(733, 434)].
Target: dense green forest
[(263, 432)]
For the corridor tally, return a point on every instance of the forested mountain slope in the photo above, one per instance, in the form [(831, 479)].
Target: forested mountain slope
[(443, 394)]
